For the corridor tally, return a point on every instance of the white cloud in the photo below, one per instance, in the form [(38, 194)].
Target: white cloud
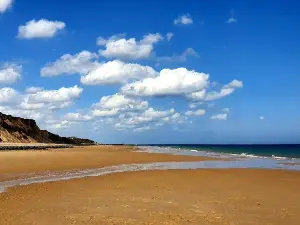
[(27, 114), (10, 73), (214, 95), (61, 95), (261, 117), (30, 106), (136, 120), (105, 112), (61, 124), (60, 105), (33, 90), (128, 49), (113, 105), (121, 102), (199, 112), (217, 95), (234, 84), (197, 95), (40, 29), (81, 63), (222, 116), (151, 113), (169, 36), (226, 110), (8, 96), (179, 58), (116, 72), (77, 117), (5, 5), (149, 117), (169, 82), (184, 20)]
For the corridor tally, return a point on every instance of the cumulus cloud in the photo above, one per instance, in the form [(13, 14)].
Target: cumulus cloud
[(222, 116), (151, 113), (33, 90), (8, 96), (5, 5), (81, 63), (28, 114), (10, 73), (179, 58), (197, 95), (142, 119), (117, 104), (121, 102), (128, 49), (217, 95), (168, 82), (199, 112), (116, 72), (30, 106), (234, 84), (61, 124), (42, 105), (226, 90), (105, 112), (183, 19), (261, 117), (77, 117), (169, 36), (42, 28), (62, 95), (149, 118)]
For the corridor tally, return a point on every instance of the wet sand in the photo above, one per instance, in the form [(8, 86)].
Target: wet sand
[(19, 163), (228, 196), (203, 196)]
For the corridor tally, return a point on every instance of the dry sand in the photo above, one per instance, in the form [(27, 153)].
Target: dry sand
[(208, 196)]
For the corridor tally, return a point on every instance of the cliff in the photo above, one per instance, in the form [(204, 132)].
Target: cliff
[(19, 130)]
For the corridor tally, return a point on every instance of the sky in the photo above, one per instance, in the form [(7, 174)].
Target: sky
[(146, 72)]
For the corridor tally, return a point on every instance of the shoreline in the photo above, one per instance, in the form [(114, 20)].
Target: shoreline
[(16, 164)]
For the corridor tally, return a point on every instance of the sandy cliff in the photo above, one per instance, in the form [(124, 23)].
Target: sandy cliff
[(20, 130)]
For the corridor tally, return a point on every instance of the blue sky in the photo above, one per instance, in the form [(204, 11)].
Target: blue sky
[(152, 71)]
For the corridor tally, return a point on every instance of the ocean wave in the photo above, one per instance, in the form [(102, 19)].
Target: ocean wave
[(279, 157), (218, 154)]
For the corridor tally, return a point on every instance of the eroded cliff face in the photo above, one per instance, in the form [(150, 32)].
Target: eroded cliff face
[(20, 130)]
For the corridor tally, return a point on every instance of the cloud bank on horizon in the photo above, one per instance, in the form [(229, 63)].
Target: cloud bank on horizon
[(131, 82)]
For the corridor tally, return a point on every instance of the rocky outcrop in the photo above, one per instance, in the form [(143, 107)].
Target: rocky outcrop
[(20, 130)]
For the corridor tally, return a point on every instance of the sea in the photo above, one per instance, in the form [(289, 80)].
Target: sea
[(275, 151), (237, 156)]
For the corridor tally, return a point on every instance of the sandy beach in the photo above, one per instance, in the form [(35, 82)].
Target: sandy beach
[(207, 196), (19, 163)]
